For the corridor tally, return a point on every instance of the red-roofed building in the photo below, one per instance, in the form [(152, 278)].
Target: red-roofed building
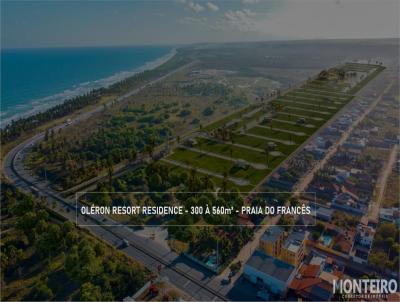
[(309, 271), (311, 289)]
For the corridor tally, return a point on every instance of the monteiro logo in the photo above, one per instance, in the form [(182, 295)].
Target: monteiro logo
[(365, 288)]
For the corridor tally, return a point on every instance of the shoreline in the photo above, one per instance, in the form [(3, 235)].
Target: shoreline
[(42, 104)]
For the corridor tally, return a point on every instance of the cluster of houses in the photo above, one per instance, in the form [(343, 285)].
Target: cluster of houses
[(288, 174), (273, 265), (349, 180), (281, 268), (345, 185)]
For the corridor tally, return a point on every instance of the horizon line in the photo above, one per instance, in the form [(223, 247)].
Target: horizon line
[(194, 43)]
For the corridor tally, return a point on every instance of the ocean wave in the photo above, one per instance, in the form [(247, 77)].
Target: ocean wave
[(42, 104)]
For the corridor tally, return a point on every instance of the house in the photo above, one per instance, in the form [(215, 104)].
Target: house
[(341, 175), (343, 241), (269, 272), (324, 214), (354, 144), (317, 153), (324, 189), (242, 164), (190, 142), (314, 280), (232, 123), (271, 241), (365, 235), (348, 203), (293, 248), (390, 214), (309, 286), (277, 182), (363, 243)]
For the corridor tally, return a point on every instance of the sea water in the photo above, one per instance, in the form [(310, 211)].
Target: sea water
[(33, 80)]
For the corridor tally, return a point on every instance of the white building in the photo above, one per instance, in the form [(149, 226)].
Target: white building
[(269, 272)]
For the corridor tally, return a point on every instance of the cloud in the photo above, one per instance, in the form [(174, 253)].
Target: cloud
[(313, 19), (237, 20), (193, 20), (212, 7), (194, 7), (250, 1), (189, 5)]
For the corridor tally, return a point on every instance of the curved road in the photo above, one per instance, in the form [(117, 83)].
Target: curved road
[(193, 279)]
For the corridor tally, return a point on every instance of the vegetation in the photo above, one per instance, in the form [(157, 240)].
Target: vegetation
[(16, 128), (68, 161), (264, 134), (184, 228), (392, 197), (385, 249), (47, 258)]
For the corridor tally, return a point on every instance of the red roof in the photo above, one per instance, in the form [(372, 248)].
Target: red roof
[(304, 287), (309, 271), (300, 284)]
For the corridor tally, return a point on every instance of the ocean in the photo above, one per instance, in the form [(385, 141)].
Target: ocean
[(33, 80)]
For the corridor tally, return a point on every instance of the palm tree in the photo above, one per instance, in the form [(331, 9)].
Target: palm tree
[(149, 149), (225, 181), (266, 151), (132, 155), (110, 171), (207, 181), (192, 179)]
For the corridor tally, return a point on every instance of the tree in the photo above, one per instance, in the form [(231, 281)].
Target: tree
[(225, 181), (110, 172), (266, 151), (132, 155), (42, 292), (90, 292), (155, 182), (49, 242), (192, 179), (378, 259), (149, 149), (207, 182)]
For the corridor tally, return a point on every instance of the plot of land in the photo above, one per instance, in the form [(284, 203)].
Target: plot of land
[(244, 147)]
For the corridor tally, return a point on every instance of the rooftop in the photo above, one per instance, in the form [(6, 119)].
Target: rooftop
[(270, 265), (294, 241), (325, 211), (272, 233)]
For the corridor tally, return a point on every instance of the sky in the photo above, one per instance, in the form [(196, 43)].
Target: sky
[(56, 23)]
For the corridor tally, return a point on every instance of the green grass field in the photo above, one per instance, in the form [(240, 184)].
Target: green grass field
[(230, 150), (316, 102), (287, 126), (315, 106), (276, 134), (217, 165), (262, 143)]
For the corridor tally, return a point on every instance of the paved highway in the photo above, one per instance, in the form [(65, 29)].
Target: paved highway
[(193, 279)]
